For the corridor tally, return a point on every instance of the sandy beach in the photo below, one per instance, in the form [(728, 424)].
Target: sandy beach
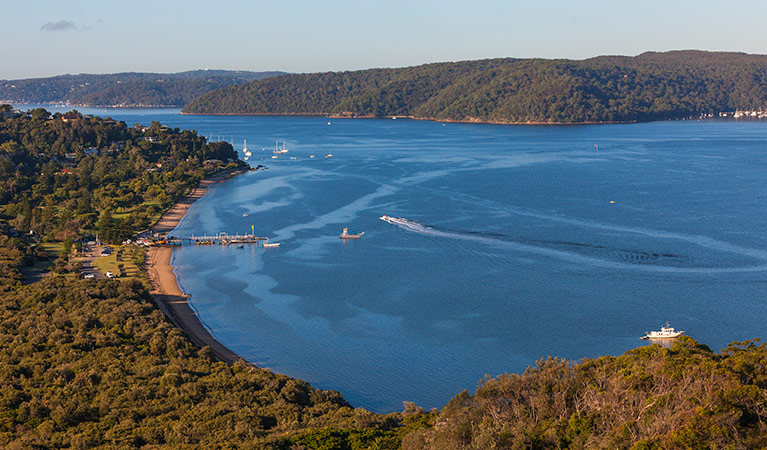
[(169, 297)]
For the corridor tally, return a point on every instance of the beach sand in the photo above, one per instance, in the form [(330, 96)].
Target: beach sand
[(171, 300)]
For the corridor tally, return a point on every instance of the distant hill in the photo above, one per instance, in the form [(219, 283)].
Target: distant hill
[(651, 86), (124, 89)]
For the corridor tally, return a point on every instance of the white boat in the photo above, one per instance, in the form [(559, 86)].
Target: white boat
[(279, 150), (346, 235), (245, 149), (271, 244), (393, 220), (667, 332)]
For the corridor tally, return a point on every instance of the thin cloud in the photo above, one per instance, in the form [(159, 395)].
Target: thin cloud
[(61, 25)]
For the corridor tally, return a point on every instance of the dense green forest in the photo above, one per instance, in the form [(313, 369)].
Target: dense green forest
[(685, 397), (64, 176), (86, 363), (651, 86), (124, 89)]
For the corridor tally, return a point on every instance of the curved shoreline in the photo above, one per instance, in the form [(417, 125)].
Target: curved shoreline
[(168, 296)]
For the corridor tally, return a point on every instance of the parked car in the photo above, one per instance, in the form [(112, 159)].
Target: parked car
[(89, 276), (110, 275)]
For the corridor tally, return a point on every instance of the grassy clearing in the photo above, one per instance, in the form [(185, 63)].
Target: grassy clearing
[(121, 262), (53, 249)]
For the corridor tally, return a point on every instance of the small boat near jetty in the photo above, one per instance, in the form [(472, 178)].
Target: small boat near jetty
[(667, 332), (271, 244), (346, 235)]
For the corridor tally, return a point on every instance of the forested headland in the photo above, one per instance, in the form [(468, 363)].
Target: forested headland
[(651, 86), (94, 363), (68, 175), (124, 89)]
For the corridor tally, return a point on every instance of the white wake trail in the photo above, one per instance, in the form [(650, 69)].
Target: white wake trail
[(416, 227)]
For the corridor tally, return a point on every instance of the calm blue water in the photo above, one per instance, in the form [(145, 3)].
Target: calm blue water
[(515, 250)]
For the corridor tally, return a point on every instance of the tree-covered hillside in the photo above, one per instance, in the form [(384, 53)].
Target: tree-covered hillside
[(94, 364), (66, 175), (685, 397), (650, 86), (123, 89)]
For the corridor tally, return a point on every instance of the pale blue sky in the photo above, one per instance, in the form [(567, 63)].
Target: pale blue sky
[(45, 37)]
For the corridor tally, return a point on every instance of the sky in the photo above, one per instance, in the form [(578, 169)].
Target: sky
[(45, 38)]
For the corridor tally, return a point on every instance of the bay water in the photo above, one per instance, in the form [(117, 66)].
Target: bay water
[(517, 242)]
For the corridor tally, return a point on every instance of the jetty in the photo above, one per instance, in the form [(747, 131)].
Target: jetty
[(217, 239), (227, 239)]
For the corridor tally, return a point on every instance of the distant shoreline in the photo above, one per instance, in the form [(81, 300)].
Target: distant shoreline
[(171, 300), (428, 119)]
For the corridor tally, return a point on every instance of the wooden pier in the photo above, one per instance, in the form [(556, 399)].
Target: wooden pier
[(225, 239), (217, 239)]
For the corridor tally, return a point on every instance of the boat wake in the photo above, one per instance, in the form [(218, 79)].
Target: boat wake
[(574, 252)]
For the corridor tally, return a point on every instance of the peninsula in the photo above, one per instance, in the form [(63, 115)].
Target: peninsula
[(605, 89)]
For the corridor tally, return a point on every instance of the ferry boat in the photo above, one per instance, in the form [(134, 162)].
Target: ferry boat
[(667, 332), (271, 244), (346, 235)]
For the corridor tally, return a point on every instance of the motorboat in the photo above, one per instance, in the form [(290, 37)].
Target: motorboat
[(666, 332), (346, 235)]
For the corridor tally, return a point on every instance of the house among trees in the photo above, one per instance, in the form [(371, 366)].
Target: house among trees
[(91, 151), (72, 115)]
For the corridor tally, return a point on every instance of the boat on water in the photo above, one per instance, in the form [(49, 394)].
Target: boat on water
[(245, 149), (279, 150), (271, 244), (393, 220), (666, 332), (346, 235)]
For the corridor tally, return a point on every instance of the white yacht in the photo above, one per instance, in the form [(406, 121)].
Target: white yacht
[(667, 332)]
